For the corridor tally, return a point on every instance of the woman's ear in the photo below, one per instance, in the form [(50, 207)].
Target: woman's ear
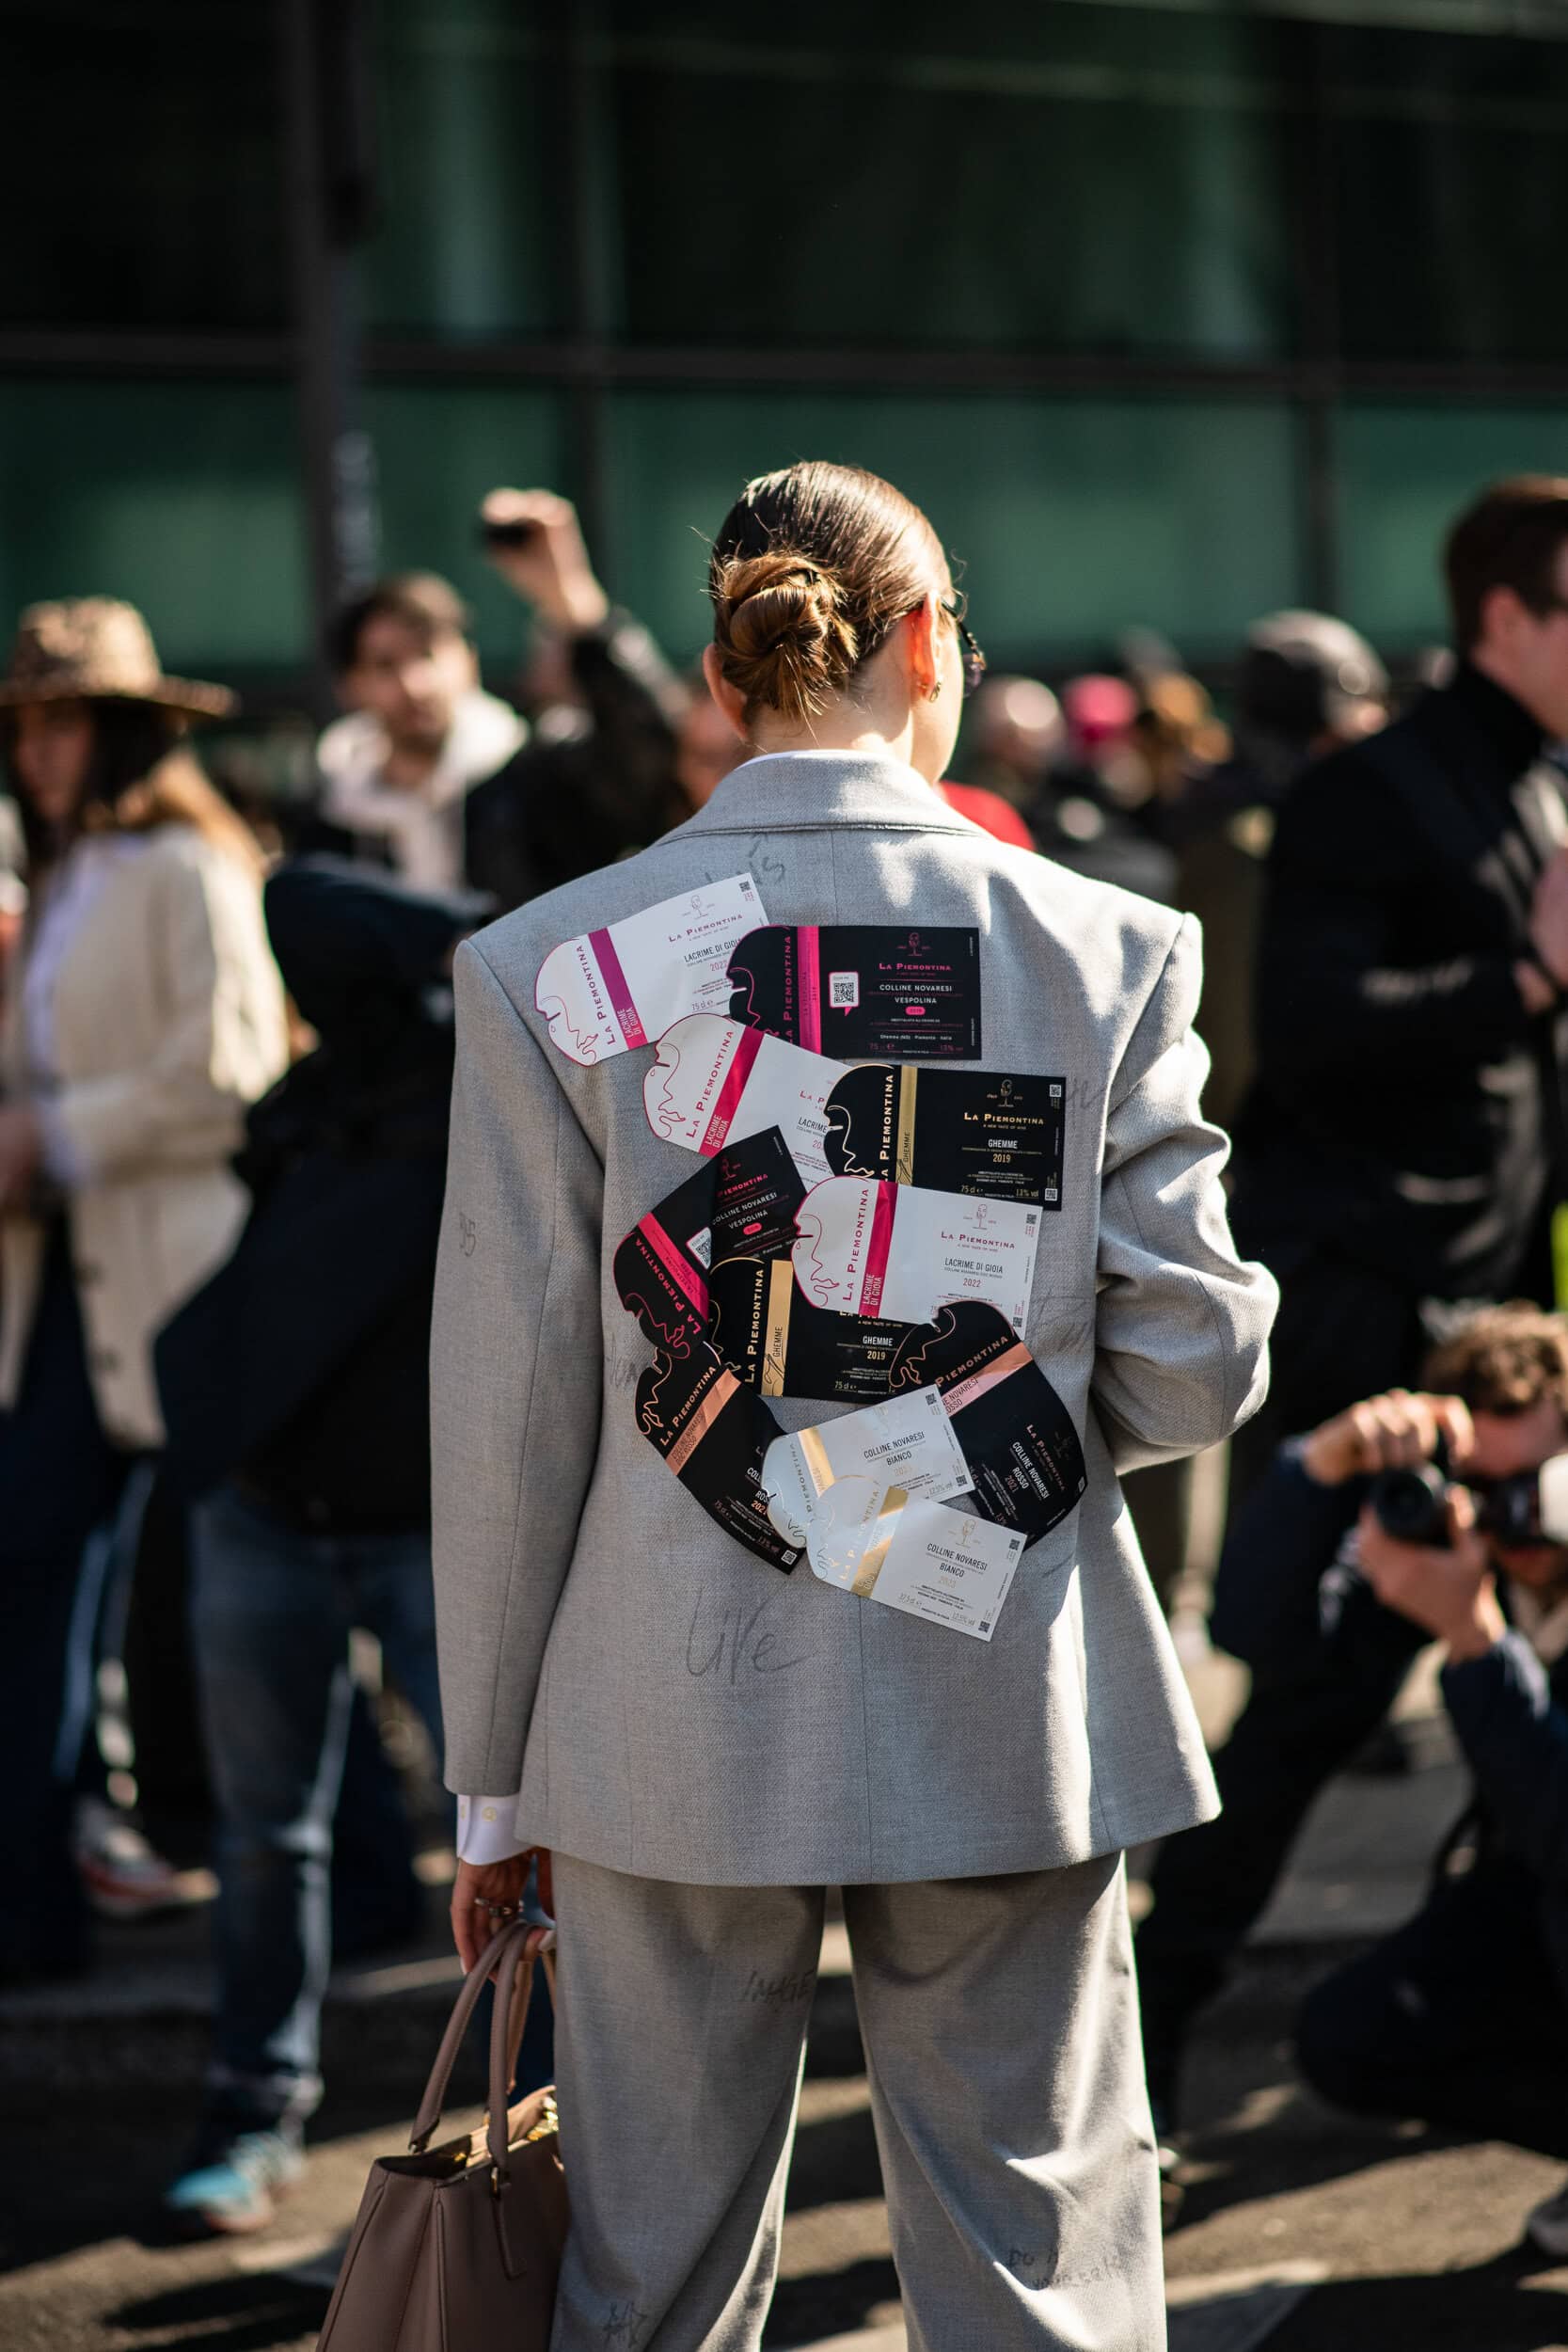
[(923, 648), (730, 699)]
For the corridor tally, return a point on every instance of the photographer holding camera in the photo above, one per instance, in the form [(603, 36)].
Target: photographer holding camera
[(1403, 1156), (1444, 1515)]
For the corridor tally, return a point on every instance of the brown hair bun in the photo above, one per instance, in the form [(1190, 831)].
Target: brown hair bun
[(782, 631), (811, 570)]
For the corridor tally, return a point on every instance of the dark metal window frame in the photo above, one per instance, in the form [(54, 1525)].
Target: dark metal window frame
[(587, 365)]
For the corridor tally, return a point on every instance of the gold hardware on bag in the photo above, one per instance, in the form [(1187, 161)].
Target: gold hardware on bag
[(549, 2121)]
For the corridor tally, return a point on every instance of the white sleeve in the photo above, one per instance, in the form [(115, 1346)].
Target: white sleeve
[(486, 1830)]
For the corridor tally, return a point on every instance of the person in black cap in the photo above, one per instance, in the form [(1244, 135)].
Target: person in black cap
[(1400, 1158), (1308, 685)]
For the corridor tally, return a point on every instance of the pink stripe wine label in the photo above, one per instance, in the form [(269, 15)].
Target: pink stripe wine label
[(748, 1047), (617, 988), (878, 1250), (809, 979), (872, 991), (680, 1272)]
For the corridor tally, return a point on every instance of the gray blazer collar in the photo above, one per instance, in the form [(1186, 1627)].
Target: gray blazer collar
[(797, 791)]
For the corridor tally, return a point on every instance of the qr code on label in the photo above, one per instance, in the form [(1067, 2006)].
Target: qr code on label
[(844, 991)]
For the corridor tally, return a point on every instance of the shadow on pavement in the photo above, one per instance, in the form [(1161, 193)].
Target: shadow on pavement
[(831, 2302), (1297, 2144), (236, 2314), (1505, 2305)]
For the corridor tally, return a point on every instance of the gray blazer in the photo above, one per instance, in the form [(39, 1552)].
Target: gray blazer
[(672, 1706)]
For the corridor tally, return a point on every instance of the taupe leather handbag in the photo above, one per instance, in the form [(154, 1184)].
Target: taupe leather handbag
[(460, 2245)]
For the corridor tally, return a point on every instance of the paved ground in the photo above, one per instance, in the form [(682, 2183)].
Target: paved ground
[(1299, 2229)]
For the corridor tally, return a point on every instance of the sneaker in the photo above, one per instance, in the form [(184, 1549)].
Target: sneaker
[(125, 1877), (1548, 2225), (232, 2187)]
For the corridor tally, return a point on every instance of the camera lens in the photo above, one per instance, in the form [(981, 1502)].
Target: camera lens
[(1411, 1504)]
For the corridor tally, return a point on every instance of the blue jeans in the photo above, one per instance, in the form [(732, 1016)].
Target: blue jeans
[(272, 1608)]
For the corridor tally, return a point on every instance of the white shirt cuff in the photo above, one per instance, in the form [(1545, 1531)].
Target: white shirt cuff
[(486, 1829)]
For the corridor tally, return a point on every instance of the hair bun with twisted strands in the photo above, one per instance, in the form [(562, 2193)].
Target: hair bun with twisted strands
[(783, 635)]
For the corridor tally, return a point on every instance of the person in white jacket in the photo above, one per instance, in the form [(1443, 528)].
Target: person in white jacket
[(144, 1011)]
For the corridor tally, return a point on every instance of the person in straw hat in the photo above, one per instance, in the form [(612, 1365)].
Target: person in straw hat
[(144, 1012)]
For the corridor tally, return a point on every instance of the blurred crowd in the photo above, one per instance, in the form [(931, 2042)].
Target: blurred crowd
[(224, 1077)]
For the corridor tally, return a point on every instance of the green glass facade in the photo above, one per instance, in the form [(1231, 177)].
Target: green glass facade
[(1168, 314)]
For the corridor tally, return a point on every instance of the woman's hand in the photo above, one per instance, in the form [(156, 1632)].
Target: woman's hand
[(485, 1895), (551, 567)]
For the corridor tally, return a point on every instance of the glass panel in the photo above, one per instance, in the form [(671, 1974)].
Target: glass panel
[(1536, 17), (181, 496), (1072, 518), (1449, 195), (1027, 175), (1406, 474), (438, 448), (140, 169), (464, 247)]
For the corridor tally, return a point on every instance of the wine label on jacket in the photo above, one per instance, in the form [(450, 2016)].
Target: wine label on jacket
[(1026, 1464), (782, 1345), (608, 992), (999, 1138), (874, 1248), (947, 1565), (863, 989), (907, 1442), (741, 1202), (714, 1433), (714, 1082)]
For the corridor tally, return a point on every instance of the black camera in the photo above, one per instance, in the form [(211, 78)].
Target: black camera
[(1412, 1506), (509, 534)]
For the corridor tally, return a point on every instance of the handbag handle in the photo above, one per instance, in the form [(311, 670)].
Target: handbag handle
[(516, 1931), (507, 2022)]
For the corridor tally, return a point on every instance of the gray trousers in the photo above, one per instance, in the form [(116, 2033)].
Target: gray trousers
[(1000, 2023)]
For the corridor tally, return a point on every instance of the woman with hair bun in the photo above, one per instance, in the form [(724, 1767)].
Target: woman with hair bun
[(700, 1746)]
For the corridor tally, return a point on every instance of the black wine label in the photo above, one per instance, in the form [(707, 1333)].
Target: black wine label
[(1016, 1432), (771, 1336), (950, 1131), (852, 991), (714, 1433), (741, 1202)]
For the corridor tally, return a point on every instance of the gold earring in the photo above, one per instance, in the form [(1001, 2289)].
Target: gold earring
[(935, 692)]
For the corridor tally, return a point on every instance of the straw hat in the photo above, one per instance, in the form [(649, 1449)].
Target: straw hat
[(95, 646)]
